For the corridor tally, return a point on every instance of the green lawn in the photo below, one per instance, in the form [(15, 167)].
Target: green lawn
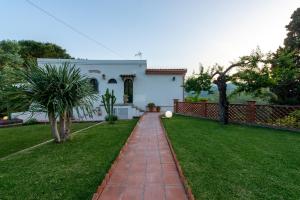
[(14, 139), (234, 161), (72, 170)]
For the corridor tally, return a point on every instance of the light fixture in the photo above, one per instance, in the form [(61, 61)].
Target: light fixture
[(103, 76), (168, 114), (173, 79)]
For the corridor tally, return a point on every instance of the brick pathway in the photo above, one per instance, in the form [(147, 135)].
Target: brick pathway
[(146, 169)]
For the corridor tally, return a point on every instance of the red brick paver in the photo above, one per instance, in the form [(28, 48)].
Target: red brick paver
[(146, 169)]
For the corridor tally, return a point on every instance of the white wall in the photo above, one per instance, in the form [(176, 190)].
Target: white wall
[(159, 89)]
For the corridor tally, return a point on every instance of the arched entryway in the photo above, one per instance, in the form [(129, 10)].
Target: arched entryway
[(128, 87), (128, 90)]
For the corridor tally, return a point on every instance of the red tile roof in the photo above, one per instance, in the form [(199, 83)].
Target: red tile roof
[(166, 71)]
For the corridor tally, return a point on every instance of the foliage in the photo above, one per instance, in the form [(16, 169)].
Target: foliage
[(291, 120), (21, 53), (30, 50), (109, 100), (51, 89), (296, 114), (286, 75), (235, 161), (198, 82), (195, 99), (292, 40), (288, 121), (111, 118), (279, 73), (10, 54), (151, 105), (31, 121)]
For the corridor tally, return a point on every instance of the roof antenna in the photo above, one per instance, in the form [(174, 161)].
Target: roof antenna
[(139, 54)]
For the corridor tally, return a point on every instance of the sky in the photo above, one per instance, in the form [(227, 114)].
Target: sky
[(169, 33)]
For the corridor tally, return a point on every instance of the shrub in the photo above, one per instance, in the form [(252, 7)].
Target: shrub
[(151, 105), (194, 99), (296, 114), (111, 118), (288, 121), (31, 122)]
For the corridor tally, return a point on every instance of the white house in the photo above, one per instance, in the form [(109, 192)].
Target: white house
[(133, 83)]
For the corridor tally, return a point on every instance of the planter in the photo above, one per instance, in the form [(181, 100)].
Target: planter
[(152, 109), (158, 109)]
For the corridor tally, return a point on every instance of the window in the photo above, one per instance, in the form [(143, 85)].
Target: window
[(94, 84), (112, 81)]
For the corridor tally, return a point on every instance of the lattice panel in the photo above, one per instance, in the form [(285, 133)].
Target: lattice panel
[(238, 113), (278, 115), (193, 109), (212, 111), (271, 115)]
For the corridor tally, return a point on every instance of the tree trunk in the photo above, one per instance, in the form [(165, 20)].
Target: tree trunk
[(62, 126), (53, 124), (223, 102), (68, 125)]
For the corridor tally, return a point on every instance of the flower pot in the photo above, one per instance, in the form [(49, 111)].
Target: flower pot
[(158, 109), (152, 109)]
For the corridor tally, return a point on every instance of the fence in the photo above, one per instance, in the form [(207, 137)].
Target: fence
[(281, 116)]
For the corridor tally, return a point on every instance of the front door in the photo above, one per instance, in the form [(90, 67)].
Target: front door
[(128, 90)]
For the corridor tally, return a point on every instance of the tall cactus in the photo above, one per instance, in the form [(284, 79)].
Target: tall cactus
[(108, 100)]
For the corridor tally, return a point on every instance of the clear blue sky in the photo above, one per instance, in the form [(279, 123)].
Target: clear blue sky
[(172, 33)]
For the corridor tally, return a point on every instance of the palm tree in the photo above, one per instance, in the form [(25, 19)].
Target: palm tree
[(56, 90)]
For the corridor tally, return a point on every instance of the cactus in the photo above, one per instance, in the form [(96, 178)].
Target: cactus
[(108, 100)]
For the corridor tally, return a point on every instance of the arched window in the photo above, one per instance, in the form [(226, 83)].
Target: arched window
[(94, 84), (112, 81)]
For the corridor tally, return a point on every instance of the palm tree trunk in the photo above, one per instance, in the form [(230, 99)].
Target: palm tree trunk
[(53, 124), (68, 125), (62, 126)]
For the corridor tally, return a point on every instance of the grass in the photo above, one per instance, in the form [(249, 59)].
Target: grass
[(235, 161), (72, 170), (14, 139)]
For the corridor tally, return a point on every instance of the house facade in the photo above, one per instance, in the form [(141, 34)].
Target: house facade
[(134, 84)]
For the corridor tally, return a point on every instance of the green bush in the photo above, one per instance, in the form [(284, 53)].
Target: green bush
[(296, 114), (31, 122), (111, 118), (288, 121), (151, 105), (194, 99)]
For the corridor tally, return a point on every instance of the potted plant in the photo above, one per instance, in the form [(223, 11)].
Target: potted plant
[(158, 108), (151, 107)]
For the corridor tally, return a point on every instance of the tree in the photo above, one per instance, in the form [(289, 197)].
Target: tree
[(292, 41), (30, 50), (16, 54), (21, 53), (279, 77), (51, 89), (198, 82), (220, 77), (285, 73), (9, 54)]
